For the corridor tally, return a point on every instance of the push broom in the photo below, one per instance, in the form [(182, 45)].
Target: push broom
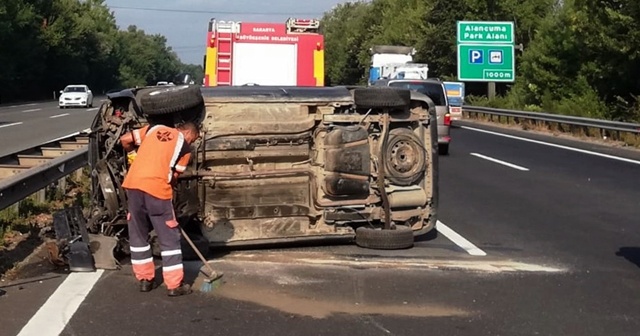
[(207, 283)]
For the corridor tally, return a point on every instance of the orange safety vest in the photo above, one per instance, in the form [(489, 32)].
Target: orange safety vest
[(162, 150)]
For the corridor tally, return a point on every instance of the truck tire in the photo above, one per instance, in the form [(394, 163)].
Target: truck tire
[(170, 99), (443, 149), (399, 238), (381, 96)]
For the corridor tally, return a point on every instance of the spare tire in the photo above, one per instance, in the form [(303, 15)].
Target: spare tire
[(405, 157), (381, 96), (170, 99)]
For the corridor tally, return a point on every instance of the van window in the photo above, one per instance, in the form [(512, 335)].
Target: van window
[(433, 90)]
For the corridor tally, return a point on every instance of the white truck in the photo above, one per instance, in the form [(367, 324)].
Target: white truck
[(395, 62)]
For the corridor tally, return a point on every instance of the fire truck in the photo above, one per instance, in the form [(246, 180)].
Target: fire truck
[(248, 53)]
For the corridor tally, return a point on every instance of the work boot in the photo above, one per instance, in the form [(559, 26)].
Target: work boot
[(146, 285), (183, 289)]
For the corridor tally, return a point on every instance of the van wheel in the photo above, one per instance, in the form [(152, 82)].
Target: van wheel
[(379, 239), (381, 96), (170, 99)]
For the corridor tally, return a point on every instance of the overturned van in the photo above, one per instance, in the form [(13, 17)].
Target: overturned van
[(281, 164)]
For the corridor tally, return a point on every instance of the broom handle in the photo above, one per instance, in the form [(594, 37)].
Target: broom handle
[(193, 246)]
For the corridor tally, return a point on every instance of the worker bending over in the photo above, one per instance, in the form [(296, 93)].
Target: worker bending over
[(162, 154)]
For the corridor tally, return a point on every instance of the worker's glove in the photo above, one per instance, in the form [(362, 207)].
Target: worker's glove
[(131, 156)]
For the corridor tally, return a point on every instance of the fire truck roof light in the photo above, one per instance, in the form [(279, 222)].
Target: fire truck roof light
[(302, 25)]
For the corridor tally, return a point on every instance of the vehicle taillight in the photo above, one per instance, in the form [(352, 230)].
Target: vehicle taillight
[(447, 119)]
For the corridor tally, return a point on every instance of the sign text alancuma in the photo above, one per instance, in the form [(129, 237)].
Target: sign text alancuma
[(485, 32)]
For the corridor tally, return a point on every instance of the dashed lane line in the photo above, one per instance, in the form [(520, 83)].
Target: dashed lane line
[(31, 110), (92, 109), (57, 311), (584, 151), (504, 163), (459, 240), (59, 115), (12, 124), (23, 105)]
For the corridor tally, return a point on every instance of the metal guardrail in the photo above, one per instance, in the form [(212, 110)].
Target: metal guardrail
[(557, 118), (18, 187)]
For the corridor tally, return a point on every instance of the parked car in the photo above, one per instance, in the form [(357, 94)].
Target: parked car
[(75, 95), (280, 164), (434, 89)]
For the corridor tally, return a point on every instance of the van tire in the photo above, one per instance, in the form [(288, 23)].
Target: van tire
[(399, 238), (170, 99), (381, 96)]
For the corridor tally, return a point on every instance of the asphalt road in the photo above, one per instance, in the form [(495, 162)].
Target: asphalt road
[(556, 223), (24, 126)]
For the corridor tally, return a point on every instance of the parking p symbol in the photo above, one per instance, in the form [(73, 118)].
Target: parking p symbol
[(476, 57)]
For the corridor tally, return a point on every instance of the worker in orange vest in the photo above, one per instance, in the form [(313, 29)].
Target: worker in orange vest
[(162, 154)]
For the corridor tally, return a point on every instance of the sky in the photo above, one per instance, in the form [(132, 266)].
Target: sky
[(184, 22)]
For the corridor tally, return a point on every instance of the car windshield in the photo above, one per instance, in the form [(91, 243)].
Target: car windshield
[(433, 90), (75, 89)]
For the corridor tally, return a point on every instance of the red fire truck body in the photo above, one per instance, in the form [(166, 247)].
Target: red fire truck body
[(248, 53)]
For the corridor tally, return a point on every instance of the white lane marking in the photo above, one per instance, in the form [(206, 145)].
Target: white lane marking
[(584, 151), (504, 163), (53, 316), (59, 115), (23, 105), (87, 130), (487, 265), (92, 109), (64, 137), (31, 110), (459, 240), (12, 124)]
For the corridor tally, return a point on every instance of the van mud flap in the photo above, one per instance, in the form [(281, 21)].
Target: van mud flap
[(82, 251)]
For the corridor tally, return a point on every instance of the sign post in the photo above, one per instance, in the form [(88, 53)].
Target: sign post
[(486, 52)]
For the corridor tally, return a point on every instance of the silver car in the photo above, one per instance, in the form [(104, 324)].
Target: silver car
[(436, 91)]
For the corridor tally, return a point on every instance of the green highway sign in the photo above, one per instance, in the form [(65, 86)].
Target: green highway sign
[(486, 51), (486, 63), (485, 32)]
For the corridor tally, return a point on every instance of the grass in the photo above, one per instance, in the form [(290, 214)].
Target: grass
[(30, 215), (23, 227), (585, 107)]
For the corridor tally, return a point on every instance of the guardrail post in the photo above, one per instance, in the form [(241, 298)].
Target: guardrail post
[(78, 173), (491, 90), (62, 185), (41, 195)]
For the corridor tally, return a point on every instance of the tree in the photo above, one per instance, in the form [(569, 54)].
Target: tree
[(579, 56), (48, 44)]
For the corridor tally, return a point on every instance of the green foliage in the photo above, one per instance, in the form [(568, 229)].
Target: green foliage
[(580, 57), (48, 44)]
